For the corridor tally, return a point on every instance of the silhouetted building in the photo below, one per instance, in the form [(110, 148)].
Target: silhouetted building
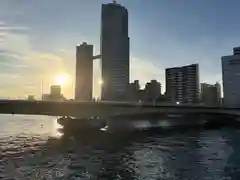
[(152, 90), (114, 51), (231, 77), (133, 91), (182, 84), (45, 97), (84, 72), (211, 94), (54, 95), (55, 92), (31, 97)]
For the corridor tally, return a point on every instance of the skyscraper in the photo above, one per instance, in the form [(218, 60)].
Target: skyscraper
[(114, 51), (231, 78), (84, 72), (182, 84)]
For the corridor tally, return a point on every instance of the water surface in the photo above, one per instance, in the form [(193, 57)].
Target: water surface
[(32, 148)]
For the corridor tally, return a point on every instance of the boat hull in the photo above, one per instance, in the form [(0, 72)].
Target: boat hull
[(79, 125)]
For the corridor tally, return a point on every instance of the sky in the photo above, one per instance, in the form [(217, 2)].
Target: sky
[(38, 40)]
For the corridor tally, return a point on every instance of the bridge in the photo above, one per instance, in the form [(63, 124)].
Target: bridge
[(103, 109)]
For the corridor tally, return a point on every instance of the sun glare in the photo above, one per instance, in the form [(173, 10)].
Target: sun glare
[(61, 79), (100, 81)]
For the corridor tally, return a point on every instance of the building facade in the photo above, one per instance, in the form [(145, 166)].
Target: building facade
[(84, 72), (211, 94), (114, 51), (182, 84), (231, 78)]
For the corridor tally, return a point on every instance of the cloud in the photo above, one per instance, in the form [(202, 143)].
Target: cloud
[(14, 29), (6, 30), (22, 68)]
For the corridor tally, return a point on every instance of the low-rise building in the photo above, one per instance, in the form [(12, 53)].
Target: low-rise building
[(211, 94)]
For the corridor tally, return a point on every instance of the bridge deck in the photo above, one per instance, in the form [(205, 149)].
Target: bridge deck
[(102, 109)]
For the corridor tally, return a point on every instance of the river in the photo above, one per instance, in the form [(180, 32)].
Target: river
[(32, 148)]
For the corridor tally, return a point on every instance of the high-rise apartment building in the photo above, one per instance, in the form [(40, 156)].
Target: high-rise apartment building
[(182, 84), (84, 72), (114, 51), (231, 78), (211, 94)]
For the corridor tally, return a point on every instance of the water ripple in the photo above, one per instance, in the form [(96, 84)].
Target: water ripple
[(38, 154)]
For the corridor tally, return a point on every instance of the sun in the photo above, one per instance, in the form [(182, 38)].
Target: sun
[(100, 81), (61, 79)]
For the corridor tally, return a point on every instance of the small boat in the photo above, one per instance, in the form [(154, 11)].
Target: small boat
[(71, 124)]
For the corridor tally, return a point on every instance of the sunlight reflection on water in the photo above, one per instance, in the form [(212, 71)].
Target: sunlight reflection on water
[(19, 124)]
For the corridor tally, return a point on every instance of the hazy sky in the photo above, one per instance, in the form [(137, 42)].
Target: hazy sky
[(38, 39)]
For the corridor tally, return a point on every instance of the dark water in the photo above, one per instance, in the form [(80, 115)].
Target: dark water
[(31, 148)]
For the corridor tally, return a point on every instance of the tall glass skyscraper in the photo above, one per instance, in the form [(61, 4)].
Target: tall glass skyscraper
[(114, 51)]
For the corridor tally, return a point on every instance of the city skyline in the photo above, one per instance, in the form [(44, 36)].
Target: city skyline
[(30, 42)]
